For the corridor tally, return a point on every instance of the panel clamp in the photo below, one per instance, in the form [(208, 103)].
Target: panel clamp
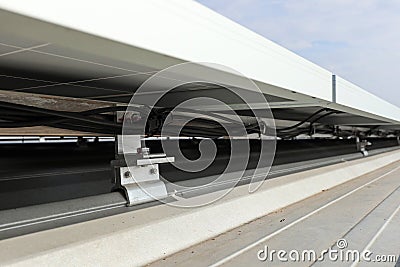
[(137, 171)]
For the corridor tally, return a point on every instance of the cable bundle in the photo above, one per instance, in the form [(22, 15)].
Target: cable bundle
[(101, 121)]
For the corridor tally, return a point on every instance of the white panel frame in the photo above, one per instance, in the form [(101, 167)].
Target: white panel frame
[(159, 33), (349, 94)]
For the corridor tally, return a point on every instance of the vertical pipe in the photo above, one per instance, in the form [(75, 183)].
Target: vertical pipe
[(333, 88)]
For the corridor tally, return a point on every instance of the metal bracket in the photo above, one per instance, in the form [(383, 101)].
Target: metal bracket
[(362, 146), (140, 180)]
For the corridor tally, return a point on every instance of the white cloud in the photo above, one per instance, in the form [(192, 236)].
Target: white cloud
[(358, 40)]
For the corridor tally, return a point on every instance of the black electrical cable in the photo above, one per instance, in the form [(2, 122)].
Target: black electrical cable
[(27, 116), (63, 114), (39, 122), (43, 121), (84, 128), (197, 129), (308, 130), (302, 122), (319, 118), (207, 113)]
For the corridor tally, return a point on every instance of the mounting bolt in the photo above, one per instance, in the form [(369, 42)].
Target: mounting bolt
[(143, 150), (127, 174), (153, 171)]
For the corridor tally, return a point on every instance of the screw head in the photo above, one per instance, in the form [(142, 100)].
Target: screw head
[(143, 150), (127, 174), (153, 171)]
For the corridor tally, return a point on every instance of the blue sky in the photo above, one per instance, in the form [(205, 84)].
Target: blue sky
[(356, 39)]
